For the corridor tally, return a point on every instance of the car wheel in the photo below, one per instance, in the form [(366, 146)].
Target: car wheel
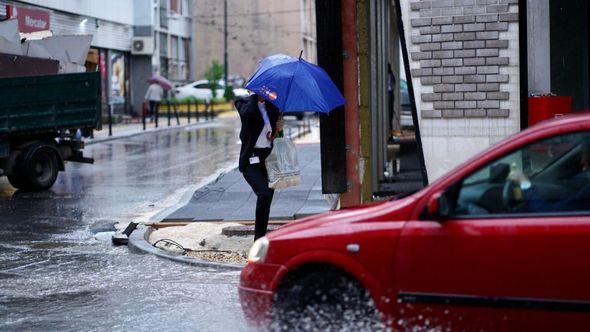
[(328, 300)]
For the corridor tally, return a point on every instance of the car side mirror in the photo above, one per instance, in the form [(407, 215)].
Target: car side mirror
[(439, 207)]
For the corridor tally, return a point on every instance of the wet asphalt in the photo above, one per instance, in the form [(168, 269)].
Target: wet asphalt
[(58, 269)]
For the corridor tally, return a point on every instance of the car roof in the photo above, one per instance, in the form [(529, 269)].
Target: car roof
[(581, 119)]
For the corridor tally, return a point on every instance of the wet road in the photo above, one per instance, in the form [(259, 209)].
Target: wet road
[(56, 274)]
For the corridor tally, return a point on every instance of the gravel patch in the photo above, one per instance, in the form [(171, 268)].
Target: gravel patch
[(218, 256)]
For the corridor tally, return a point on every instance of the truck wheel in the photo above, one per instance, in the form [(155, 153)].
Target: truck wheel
[(17, 180), (40, 170)]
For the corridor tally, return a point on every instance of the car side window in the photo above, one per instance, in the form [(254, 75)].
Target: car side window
[(548, 176), (201, 86)]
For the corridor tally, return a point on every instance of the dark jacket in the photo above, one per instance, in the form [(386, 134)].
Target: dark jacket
[(252, 125)]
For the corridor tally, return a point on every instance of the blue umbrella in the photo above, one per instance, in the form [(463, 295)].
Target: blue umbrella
[(295, 85)]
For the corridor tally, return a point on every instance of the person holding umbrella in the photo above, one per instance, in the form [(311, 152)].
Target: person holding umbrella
[(261, 121), (155, 93), (280, 83)]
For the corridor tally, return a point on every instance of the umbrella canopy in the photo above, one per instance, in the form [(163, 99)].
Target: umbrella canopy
[(166, 85), (295, 85)]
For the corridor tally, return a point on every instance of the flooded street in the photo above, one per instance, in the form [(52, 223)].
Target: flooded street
[(58, 269)]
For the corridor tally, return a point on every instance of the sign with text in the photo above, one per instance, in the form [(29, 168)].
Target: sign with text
[(29, 20)]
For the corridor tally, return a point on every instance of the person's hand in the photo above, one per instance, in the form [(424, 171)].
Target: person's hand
[(280, 123), (518, 177)]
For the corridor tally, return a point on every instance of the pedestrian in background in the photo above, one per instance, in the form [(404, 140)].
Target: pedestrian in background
[(153, 96), (261, 121)]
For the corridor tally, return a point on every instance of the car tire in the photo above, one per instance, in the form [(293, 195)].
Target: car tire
[(328, 300)]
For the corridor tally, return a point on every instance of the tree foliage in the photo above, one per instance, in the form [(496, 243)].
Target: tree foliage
[(213, 74)]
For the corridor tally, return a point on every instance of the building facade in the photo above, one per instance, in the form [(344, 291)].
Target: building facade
[(256, 29), (163, 26)]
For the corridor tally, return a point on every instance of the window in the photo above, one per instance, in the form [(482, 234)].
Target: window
[(185, 8), (174, 47), (163, 45), (164, 14), (549, 176), (175, 6), (164, 66), (182, 49)]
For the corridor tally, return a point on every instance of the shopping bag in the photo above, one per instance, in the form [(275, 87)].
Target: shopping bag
[(281, 165)]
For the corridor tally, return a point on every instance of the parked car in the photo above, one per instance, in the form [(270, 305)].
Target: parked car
[(502, 242), (202, 91)]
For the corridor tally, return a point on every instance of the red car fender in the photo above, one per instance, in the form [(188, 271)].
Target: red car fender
[(337, 260)]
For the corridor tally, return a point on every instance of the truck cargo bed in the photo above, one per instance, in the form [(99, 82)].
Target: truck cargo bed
[(49, 103)]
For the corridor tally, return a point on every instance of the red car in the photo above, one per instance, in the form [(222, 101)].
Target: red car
[(500, 243)]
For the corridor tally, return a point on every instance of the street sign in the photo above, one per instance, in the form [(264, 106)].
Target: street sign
[(29, 20)]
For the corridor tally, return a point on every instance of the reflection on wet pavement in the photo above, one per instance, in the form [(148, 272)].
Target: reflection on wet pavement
[(56, 275)]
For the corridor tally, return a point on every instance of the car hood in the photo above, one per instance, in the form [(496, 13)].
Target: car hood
[(326, 223)]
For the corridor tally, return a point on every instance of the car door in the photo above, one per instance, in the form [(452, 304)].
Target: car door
[(513, 250)]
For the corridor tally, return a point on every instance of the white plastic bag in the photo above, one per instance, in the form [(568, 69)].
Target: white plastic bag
[(281, 165)]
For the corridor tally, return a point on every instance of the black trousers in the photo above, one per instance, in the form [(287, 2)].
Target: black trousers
[(154, 107), (257, 178)]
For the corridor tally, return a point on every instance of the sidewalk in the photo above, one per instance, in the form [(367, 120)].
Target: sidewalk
[(230, 199), (121, 130)]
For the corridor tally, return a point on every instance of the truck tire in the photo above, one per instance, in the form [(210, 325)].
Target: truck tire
[(37, 169), (17, 180), (41, 169)]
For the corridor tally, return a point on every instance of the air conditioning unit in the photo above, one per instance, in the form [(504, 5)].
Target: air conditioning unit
[(142, 45)]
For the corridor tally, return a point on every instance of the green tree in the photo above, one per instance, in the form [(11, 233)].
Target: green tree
[(229, 94), (213, 75)]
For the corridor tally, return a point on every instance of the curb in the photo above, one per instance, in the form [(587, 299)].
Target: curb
[(138, 244), (142, 132)]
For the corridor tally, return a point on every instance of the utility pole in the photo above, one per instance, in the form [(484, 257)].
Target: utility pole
[(225, 41)]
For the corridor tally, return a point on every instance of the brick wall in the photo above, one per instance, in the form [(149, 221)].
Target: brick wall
[(459, 55), (464, 60)]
